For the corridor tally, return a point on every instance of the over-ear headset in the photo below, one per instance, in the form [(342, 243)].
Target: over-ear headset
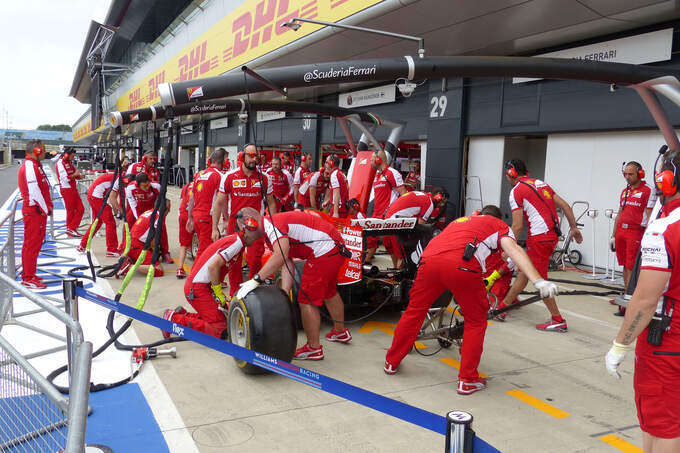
[(303, 158), (666, 180), (511, 169), (239, 156), (37, 150), (332, 160), (249, 223), (352, 203), (640, 171), (437, 197)]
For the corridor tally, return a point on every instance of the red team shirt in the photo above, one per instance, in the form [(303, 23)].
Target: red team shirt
[(139, 201), (633, 204), (312, 179), (339, 181), (300, 175), (485, 231), (411, 204), (140, 167), (385, 185), (308, 234), (227, 248), (245, 191), (34, 188), (65, 172), (206, 185), (184, 196), (100, 186), (538, 214), (282, 183)]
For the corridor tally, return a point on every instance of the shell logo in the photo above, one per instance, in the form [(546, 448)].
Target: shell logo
[(199, 187), (546, 194)]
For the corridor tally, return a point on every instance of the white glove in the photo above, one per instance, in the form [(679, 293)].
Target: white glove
[(246, 288), (614, 358), (612, 244), (546, 289)]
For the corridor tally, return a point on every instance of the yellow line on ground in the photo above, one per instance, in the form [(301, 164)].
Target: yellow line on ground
[(457, 312), (456, 364), (620, 444), (538, 404), (187, 268)]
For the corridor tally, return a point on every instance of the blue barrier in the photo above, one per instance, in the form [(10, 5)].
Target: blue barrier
[(411, 414)]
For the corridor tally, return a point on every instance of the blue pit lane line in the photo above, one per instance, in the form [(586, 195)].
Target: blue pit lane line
[(411, 414)]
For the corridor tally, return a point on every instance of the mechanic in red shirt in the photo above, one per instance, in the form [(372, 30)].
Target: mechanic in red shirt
[(412, 181), (140, 196), (387, 187), (203, 288), (147, 166), (339, 189), (301, 173), (240, 188), (635, 204), (455, 260), (138, 234), (186, 229), (287, 163), (305, 236), (313, 188), (67, 174), (535, 201), (654, 308), (95, 197), (411, 204), (206, 186), (282, 185), (35, 208)]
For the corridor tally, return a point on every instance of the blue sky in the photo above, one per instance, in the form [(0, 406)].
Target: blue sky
[(40, 44)]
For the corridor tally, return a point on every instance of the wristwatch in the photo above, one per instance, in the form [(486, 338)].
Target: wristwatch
[(258, 279)]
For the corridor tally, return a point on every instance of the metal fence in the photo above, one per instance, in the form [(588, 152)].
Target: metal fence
[(34, 415)]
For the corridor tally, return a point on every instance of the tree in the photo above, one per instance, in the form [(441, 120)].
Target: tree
[(54, 127)]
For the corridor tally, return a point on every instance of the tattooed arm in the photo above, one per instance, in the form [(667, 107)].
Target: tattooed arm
[(651, 285)]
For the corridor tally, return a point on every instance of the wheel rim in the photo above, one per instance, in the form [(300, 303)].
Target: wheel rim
[(238, 330)]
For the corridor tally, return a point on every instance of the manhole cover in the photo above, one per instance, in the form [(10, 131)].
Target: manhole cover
[(223, 434)]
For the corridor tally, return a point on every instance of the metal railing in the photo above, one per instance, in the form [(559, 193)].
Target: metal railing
[(34, 415)]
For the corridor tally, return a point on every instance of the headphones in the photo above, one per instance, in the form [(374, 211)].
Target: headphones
[(511, 170), (437, 197), (332, 160), (239, 156), (666, 180), (37, 150), (303, 158), (249, 223), (640, 171)]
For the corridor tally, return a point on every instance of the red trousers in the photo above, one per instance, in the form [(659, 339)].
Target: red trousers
[(627, 242), (435, 275), (107, 219), (165, 247), (253, 258), (203, 229), (74, 207), (207, 319), (35, 227)]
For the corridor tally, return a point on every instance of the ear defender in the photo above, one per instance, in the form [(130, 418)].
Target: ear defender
[(511, 172), (641, 173), (378, 159), (303, 158), (37, 150), (665, 183), (438, 197)]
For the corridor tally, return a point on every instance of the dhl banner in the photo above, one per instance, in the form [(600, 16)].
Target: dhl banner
[(250, 31)]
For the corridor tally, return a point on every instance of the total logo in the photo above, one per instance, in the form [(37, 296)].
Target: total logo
[(177, 330)]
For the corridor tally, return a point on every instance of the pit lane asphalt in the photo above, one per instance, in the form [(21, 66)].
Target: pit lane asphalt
[(546, 391)]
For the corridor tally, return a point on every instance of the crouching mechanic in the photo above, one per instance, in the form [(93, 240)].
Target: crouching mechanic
[(652, 319), (138, 234), (455, 260), (305, 236), (203, 288)]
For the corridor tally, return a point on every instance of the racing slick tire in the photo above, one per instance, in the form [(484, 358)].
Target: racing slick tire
[(263, 322)]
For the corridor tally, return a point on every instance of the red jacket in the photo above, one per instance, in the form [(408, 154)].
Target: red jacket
[(34, 188)]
